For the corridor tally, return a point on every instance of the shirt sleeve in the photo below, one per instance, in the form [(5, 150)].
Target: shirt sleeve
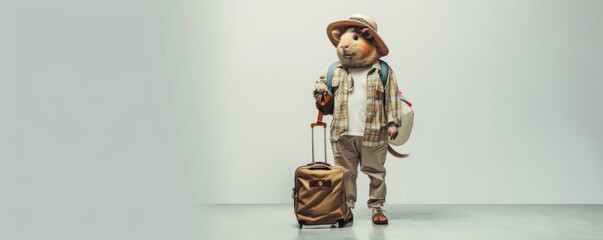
[(393, 104)]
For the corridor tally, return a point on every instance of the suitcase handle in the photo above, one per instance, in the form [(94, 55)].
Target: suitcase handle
[(319, 122), (324, 167), (318, 163)]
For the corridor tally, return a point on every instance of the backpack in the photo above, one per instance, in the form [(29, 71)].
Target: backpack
[(407, 112)]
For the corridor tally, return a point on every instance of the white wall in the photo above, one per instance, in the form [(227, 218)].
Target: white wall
[(506, 93), (96, 120), (127, 113)]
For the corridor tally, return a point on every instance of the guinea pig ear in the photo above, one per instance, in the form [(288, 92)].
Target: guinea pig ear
[(366, 34), (336, 33)]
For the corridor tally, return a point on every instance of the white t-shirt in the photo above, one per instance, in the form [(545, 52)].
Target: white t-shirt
[(357, 102)]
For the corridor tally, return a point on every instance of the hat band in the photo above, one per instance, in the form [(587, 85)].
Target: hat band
[(363, 21)]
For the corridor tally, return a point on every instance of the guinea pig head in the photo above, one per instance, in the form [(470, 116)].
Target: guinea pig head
[(356, 47)]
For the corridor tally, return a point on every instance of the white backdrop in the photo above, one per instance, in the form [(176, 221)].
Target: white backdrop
[(95, 133), (128, 113), (506, 98)]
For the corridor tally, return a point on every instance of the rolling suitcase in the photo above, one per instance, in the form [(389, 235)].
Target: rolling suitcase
[(318, 193)]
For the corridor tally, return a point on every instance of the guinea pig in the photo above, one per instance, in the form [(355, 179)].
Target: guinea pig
[(356, 47)]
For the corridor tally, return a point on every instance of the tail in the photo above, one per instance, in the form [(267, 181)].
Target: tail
[(395, 153)]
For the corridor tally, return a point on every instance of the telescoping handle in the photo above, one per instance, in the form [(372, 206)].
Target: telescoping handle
[(319, 122)]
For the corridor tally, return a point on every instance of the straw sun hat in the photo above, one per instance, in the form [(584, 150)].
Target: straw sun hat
[(359, 20)]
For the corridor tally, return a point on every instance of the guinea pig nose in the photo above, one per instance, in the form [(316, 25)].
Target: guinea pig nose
[(344, 46)]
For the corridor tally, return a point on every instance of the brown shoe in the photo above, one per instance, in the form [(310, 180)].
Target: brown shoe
[(379, 217)]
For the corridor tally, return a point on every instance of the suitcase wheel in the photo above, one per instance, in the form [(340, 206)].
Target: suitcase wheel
[(341, 223)]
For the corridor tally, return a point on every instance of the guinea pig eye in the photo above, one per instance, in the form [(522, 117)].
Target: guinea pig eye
[(355, 37)]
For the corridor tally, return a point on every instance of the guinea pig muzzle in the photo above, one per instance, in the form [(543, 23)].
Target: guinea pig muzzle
[(347, 54)]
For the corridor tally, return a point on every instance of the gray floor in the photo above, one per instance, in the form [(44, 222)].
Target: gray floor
[(509, 222)]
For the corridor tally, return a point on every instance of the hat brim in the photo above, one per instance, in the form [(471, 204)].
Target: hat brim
[(381, 47)]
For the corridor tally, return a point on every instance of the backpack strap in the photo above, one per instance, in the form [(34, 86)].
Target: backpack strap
[(384, 74), (330, 76)]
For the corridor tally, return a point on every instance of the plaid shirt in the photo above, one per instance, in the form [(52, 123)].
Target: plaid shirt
[(378, 116)]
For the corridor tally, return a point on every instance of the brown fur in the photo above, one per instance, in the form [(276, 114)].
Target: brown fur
[(356, 47)]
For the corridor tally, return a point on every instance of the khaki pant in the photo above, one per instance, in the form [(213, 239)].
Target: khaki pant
[(349, 152)]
